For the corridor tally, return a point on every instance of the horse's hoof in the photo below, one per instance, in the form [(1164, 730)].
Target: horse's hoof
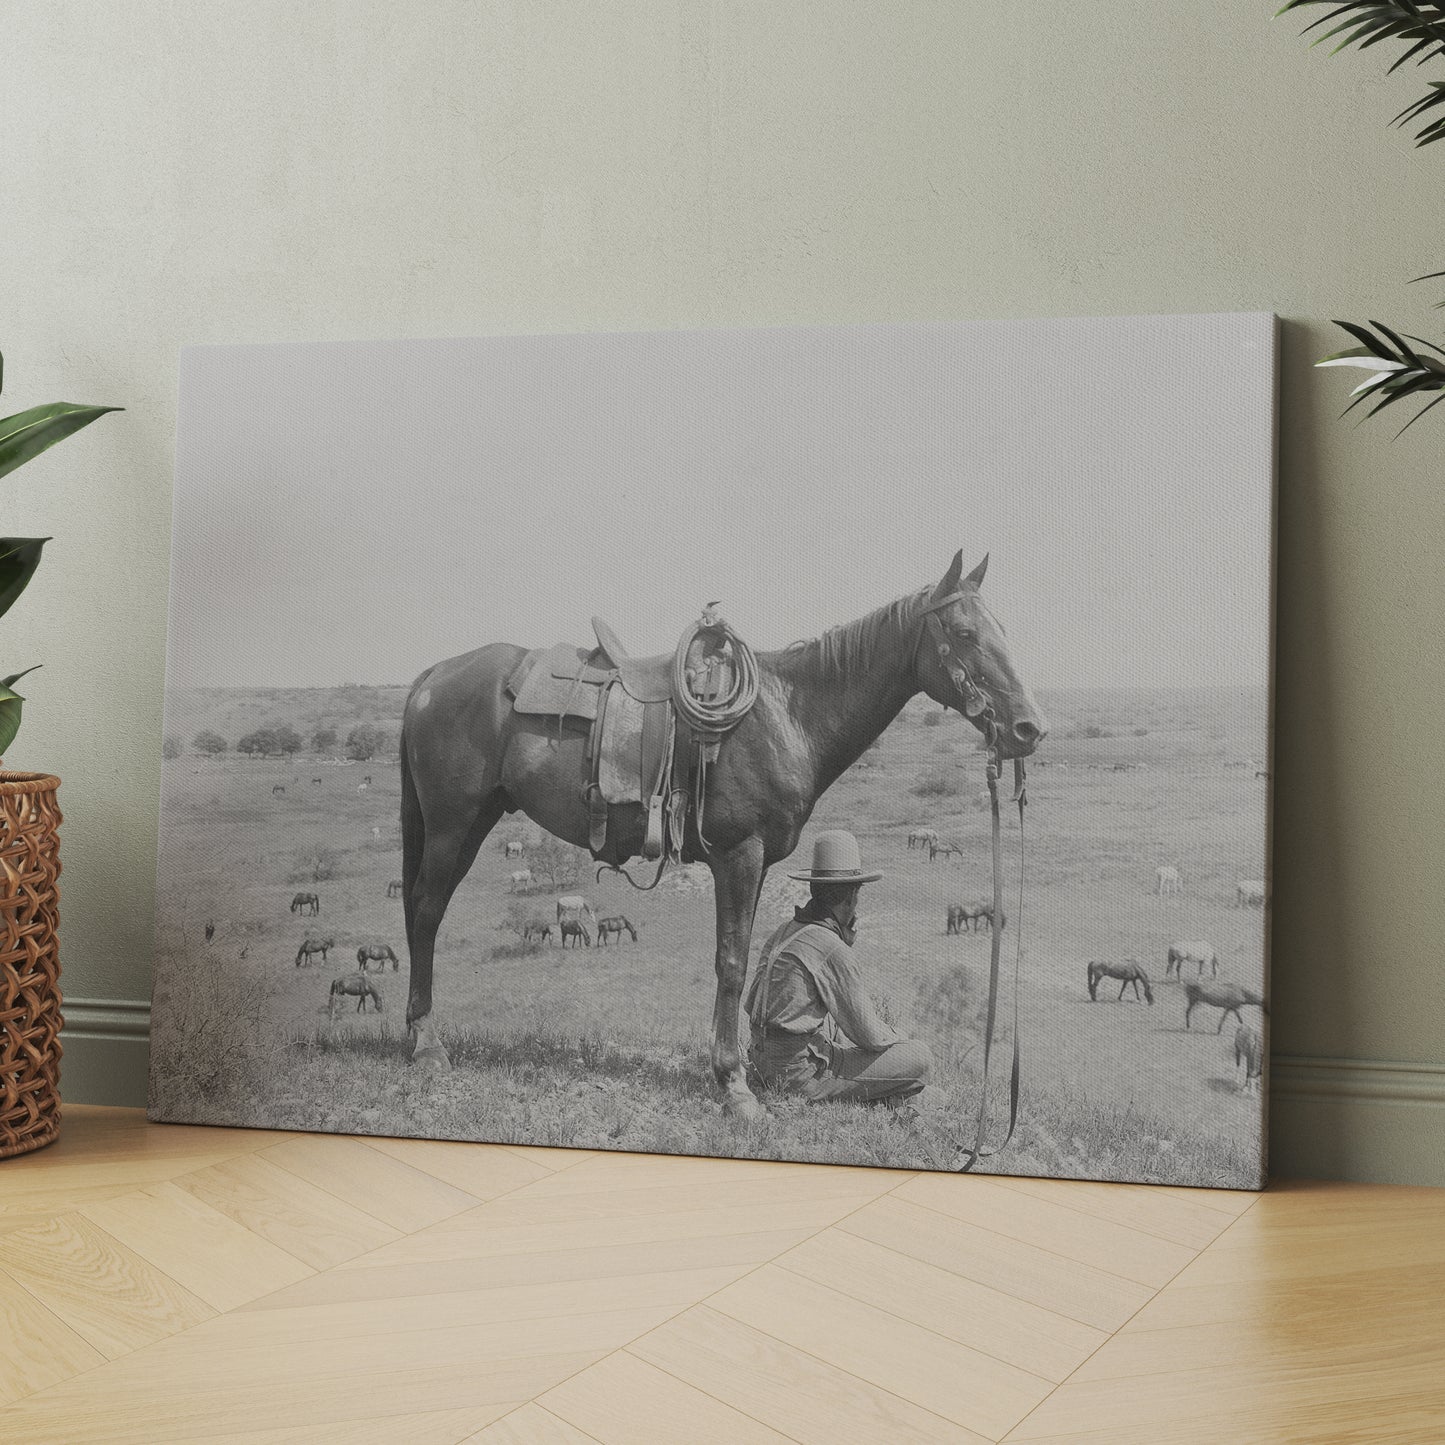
[(744, 1107), (431, 1061)]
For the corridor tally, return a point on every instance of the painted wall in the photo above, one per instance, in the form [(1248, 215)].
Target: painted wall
[(220, 172)]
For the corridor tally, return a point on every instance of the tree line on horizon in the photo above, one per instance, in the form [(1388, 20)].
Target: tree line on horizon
[(363, 742)]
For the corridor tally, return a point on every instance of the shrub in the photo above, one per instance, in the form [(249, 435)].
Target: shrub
[(933, 720), (939, 783)]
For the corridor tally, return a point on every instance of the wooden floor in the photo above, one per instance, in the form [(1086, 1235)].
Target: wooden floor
[(168, 1283)]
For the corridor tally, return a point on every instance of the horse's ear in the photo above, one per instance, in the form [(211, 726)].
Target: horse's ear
[(975, 578), (950, 578)]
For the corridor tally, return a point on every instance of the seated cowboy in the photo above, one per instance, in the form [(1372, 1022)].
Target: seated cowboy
[(815, 1030)]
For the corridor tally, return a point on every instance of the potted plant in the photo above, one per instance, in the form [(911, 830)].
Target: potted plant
[(29, 845)]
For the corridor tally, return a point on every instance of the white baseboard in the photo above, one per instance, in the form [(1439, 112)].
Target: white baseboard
[(1360, 1119)]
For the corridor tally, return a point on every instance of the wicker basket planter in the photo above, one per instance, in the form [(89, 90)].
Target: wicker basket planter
[(29, 962)]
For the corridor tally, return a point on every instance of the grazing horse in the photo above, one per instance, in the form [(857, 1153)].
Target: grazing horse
[(1249, 1051), (922, 837), (1131, 971), (574, 928), (606, 927), (210, 930), (538, 928), (304, 903), (310, 946), (944, 850), (980, 913), (514, 849), (1194, 951), (467, 759), (1167, 880), (315, 780), (377, 953), (278, 790), (575, 906), (520, 881), (1228, 997), (393, 889), (1249, 893), (354, 985), (956, 920)]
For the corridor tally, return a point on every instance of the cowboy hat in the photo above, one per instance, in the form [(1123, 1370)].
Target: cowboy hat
[(836, 860)]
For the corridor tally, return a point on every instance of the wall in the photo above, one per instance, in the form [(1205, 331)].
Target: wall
[(228, 172)]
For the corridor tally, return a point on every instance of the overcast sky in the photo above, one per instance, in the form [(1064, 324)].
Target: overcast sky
[(354, 512)]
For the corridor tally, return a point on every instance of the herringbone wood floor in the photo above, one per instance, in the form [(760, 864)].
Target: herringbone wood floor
[(168, 1283)]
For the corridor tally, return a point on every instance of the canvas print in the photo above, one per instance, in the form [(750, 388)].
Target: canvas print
[(838, 744)]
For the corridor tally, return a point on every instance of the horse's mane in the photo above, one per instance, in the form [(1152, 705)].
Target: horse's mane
[(851, 646)]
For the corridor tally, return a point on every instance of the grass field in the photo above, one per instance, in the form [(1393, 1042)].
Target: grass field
[(607, 1048)]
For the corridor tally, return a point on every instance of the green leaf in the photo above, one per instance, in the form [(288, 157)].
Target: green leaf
[(19, 557), (28, 433), (10, 705)]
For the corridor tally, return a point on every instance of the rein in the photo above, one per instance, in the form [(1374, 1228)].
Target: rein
[(978, 709)]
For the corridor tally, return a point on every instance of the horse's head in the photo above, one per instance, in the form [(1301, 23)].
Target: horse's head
[(965, 664)]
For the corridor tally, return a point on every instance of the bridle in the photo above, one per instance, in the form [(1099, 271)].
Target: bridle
[(978, 708)]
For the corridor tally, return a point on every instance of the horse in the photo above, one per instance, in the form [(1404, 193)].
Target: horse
[(606, 927), (956, 920), (1228, 997), (574, 906), (520, 881), (304, 903), (978, 914), (315, 780), (1195, 951), (538, 928), (357, 986), (362, 787), (210, 930), (278, 790), (467, 759), (514, 849), (1167, 880), (1131, 971), (393, 889), (379, 953), (1249, 893), (310, 946), (922, 837), (1249, 1051), (574, 928), (944, 850)]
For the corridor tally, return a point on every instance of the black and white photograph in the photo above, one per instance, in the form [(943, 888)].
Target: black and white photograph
[(846, 745)]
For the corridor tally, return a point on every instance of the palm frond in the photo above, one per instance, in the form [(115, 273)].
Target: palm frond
[(1398, 371)]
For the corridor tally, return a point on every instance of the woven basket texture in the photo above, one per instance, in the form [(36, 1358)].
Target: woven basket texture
[(29, 962)]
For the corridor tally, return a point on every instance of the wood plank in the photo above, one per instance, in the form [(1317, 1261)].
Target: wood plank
[(1227, 1201), (62, 1190), (797, 1394), (398, 1281), (434, 1427), (147, 1412), (961, 1384), (1037, 1340), (39, 1349), (1101, 1243), (299, 1325), (373, 1182), (1140, 1206), (482, 1170), (605, 1172), (530, 1425), (548, 1159), (622, 1400), (111, 1297), (207, 1253), (313, 1226), (1064, 1286)]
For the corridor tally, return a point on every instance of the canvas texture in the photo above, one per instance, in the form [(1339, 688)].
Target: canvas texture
[(455, 625)]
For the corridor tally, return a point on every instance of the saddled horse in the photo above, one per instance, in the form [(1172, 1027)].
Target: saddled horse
[(310, 946), (304, 903), (353, 985), (1229, 998), (377, 953), (467, 759), (1131, 971), (1195, 951), (574, 929), (617, 924)]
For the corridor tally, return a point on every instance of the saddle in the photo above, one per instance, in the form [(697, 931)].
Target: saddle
[(630, 707)]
